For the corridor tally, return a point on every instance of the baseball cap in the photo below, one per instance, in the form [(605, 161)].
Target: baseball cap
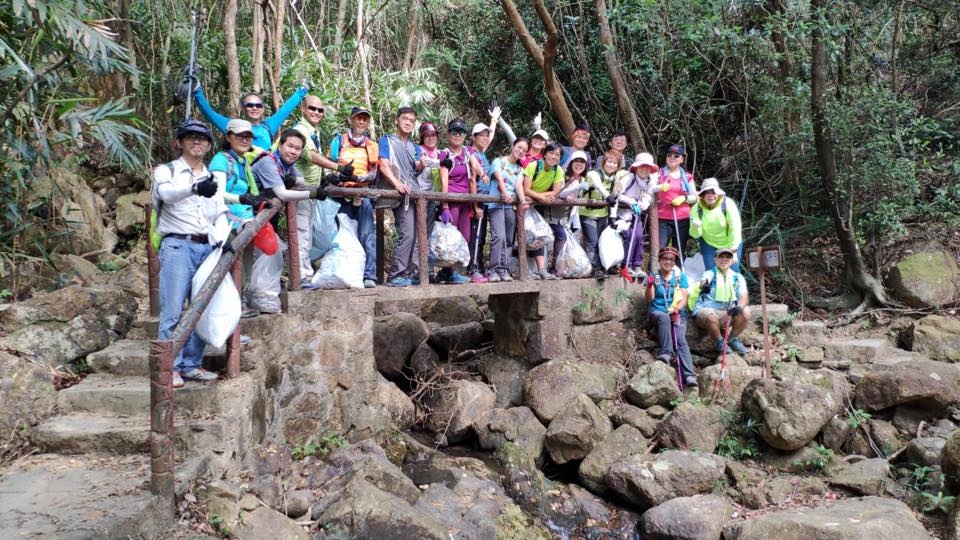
[(456, 125), (238, 126), (676, 149), (579, 154), (542, 134), (193, 126), (479, 128), (356, 111), (711, 184), (427, 128), (724, 251)]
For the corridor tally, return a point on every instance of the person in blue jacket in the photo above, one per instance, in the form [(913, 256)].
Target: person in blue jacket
[(264, 129)]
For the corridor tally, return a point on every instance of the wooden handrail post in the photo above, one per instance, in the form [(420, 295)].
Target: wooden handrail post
[(153, 265), (381, 246), (522, 242), (233, 344), (162, 434), (422, 246), (293, 247)]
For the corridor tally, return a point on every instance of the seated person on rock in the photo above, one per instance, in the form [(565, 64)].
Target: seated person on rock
[(666, 292), (722, 294)]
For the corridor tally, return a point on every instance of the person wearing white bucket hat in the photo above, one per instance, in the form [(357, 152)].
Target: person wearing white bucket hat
[(634, 192), (715, 222)]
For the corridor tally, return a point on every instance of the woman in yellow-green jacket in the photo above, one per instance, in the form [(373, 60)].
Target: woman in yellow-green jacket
[(715, 222)]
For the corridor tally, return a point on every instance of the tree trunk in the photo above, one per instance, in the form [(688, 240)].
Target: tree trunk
[(280, 19), (258, 39), (627, 110), (364, 67), (413, 15), (838, 203), (233, 63), (338, 36), (544, 58), (126, 38)]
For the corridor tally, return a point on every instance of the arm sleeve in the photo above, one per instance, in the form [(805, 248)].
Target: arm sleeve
[(335, 148), (736, 230), (218, 120), (287, 195), (570, 190), (598, 185), (384, 148), (696, 231), (507, 130), (166, 191), (692, 197), (274, 122)]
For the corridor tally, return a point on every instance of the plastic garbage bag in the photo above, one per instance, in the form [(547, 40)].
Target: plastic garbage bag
[(610, 246), (342, 266), (265, 282), (572, 260), (323, 227), (693, 267), (538, 230), (222, 315), (448, 247)]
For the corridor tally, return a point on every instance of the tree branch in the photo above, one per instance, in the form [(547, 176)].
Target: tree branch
[(23, 92)]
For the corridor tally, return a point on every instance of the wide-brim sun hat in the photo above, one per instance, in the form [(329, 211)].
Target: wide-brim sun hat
[(644, 159), (711, 184)]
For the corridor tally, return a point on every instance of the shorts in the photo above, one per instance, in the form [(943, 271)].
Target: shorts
[(701, 317)]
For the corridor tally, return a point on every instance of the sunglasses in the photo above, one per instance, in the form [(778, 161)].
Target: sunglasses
[(674, 155), (252, 105), (458, 133), (315, 109)]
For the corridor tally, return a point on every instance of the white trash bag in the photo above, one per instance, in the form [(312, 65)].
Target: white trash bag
[(265, 282), (323, 227), (342, 266), (448, 247), (610, 246), (693, 267), (222, 315), (537, 229), (572, 261)]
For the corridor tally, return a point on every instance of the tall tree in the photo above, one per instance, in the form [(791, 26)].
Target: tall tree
[(259, 32), (838, 198), (628, 113), (544, 57), (338, 35), (233, 63)]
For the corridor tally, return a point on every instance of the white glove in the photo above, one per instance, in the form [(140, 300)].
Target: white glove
[(694, 222), (537, 120), (621, 225)]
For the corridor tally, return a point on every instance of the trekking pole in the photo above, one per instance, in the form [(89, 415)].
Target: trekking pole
[(476, 246), (192, 68), (674, 326), (723, 381), (676, 229), (626, 262)]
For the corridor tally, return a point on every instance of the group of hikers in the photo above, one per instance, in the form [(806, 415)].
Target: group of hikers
[(202, 206)]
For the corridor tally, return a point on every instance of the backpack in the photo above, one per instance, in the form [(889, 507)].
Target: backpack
[(723, 209), (713, 283), (445, 153), (155, 237), (231, 168)]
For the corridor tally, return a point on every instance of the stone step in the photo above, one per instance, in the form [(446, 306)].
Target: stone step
[(858, 351), (130, 395), (806, 333), (82, 433), (129, 357), (774, 311)]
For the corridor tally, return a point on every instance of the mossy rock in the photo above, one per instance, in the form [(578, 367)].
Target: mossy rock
[(927, 278)]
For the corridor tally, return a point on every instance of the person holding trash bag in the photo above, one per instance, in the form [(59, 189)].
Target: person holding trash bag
[(666, 292), (676, 192), (399, 164), (542, 182), (482, 135), (633, 192), (459, 169), (508, 178), (720, 300), (311, 164), (715, 222), (594, 220), (576, 174), (264, 129)]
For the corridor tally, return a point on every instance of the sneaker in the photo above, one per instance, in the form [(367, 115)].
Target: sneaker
[(505, 276), (665, 358), (690, 380), (533, 276), (599, 274), (493, 277), (547, 276), (244, 339), (200, 374), (308, 285), (720, 346), (369, 284), (249, 312), (177, 380), (456, 278), (737, 346), (398, 281), (477, 277), (637, 273)]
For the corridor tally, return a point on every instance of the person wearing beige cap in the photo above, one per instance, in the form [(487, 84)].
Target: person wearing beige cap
[(715, 222), (538, 142), (634, 192)]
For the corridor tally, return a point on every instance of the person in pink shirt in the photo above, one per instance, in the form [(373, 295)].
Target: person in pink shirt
[(676, 192)]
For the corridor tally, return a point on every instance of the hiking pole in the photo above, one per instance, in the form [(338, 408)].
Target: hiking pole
[(623, 271), (723, 381), (674, 326), (676, 229), (192, 68), (476, 246)]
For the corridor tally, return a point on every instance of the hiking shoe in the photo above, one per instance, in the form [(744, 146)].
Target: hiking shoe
[(455, 278), (308, 285), (244, 339), (690, 380), (505, 276), (177, 380), (547, 276), (533, 276), (369, 284), (665, 358), (599, 274), (398, 281), (200, 374), (493, 277), (737, 346), (249, 312), (719, 346), (477, 277), (637, 273)]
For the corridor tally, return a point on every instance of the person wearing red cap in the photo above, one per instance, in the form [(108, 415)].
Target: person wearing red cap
[(676, 193)]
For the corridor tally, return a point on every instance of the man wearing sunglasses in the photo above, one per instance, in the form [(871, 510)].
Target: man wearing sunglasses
[(253, 109), (311, 165)]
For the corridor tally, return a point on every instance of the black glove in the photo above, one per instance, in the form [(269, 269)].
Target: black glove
[(341, 178), (289, 180), (227, 246), (205, 188), (320, 194), (705, 287), (330, 179), (612, 199), (255, 201), (735, 311), (346, 170), (446, 163)]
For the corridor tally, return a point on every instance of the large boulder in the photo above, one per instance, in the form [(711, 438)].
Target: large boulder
[(27, 394), (266, 524), (575, 431), (73, 205), (918, 382), (700, 517), (649, 480), (925, 279), (847, 519), (449, 340), (622, 413), (692, 427), (66, 324), (368, 512), (453, 410), (395, 338), (867, 477), (603, 342), (622, 442), (925, 451), (938, 336), (653, 384), (730, 389), (451, 311), (130, 212), (517, 426), (950, 459), (506, 375), (790, 414), (549, 387)]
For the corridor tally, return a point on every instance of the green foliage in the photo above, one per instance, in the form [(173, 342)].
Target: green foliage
[(821, 461), (740, 438), (793, 353), (857, 417), (322, 448), (591, 299), (514, 525), (692, 398), (920, 477), (5, 294), (937, 503), (777, 325)]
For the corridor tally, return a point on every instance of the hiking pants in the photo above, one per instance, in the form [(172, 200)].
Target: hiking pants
[(503, 225), (461, 218), (478, 239), (668, 234), (636, 252), (305, 209), (661, 320), (179, 261), (592, 227), (404, 257)]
